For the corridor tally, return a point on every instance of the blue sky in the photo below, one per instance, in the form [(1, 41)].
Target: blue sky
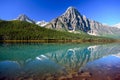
[(104, 11)]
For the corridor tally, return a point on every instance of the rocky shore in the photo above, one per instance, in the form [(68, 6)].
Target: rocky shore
[(70, 76)]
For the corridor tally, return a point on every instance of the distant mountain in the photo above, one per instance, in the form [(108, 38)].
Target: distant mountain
[(73, 21), (117, 25), (23, 17), (42, 23)]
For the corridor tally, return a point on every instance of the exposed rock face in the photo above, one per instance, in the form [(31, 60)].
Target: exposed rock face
[(72, 20), (25, 18), (102, 30)]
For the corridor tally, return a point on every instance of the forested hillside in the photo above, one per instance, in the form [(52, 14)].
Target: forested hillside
[(19, 30)]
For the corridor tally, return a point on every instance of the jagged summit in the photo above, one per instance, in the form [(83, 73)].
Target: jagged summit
[(71, 7), (71, 20), (23, 17), (71, 10)]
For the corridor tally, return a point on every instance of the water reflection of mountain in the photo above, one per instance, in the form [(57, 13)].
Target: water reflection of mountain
[(67, 55), (74, 58), (40, 59)]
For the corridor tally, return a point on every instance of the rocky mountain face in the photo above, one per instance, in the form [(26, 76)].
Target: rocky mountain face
[(73, 21), (103, 30), (25, 18)]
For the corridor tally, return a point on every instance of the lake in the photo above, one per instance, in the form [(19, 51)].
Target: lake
[(49, 61)]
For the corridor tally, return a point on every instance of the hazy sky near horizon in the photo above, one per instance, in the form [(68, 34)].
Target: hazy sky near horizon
[(104, 11)]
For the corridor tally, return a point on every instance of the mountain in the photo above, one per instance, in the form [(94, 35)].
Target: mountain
[(42, 23), (117, 25), (23, 17), (73, 21)]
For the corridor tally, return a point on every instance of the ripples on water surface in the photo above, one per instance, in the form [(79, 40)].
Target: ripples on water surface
[(32, 61)]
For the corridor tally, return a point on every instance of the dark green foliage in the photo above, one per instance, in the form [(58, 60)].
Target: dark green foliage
[(19, 30)]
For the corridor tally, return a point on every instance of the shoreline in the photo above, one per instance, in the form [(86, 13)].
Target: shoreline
[(58, 41)]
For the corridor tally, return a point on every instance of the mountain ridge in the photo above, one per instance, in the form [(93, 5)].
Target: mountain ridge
[(73, 21)]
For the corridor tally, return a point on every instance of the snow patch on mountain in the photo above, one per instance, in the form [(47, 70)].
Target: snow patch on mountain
[(42, 23), (117, 25)]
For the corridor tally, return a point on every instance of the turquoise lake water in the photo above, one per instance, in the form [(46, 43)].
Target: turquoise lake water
[(38, 61)]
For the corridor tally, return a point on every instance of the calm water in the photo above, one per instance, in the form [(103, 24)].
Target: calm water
[(32, 61)]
